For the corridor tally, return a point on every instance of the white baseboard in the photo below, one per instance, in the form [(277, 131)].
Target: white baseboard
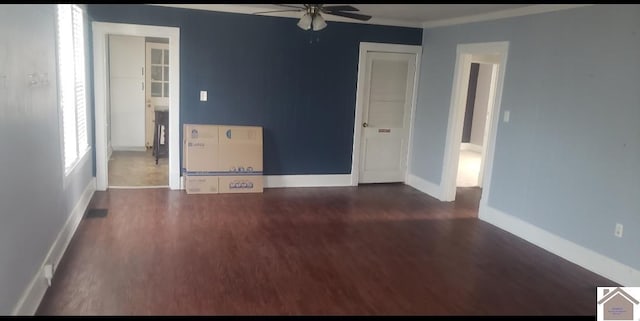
[(271, 181), (138, 187), (274, 181), (586, 258), (130, 148), (30, 300), (424, 186), (471, 147)]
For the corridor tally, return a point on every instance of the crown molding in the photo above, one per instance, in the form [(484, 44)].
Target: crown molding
[(248, 9), (534, 9)]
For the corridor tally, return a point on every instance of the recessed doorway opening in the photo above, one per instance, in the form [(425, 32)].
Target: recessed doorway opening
[(136, 106), (476, 96)]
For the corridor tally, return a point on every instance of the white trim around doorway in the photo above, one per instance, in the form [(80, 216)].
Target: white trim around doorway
[(100, 32), (464, 55)]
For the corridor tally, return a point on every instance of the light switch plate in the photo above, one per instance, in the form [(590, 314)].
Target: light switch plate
[(203, 95), (506, 116)]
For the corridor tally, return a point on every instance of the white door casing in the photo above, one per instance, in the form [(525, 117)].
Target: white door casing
[(493, 60), (126, 83), (465, 54), (385, 104), (157, 90), (487, 126), (100, 57)]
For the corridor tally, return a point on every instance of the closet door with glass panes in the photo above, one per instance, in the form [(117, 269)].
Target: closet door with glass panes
[(157, 89)]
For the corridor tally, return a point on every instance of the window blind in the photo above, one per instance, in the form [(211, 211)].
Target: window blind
[(72, 82)]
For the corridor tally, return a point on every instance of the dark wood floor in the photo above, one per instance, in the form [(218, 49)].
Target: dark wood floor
[(368, 250)]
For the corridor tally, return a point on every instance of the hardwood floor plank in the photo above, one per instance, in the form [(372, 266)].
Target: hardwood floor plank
[(379, 249)]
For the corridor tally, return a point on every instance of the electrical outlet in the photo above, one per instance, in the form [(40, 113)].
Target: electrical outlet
[(618, 231), (48, 273), (203, 95), (506, 116)]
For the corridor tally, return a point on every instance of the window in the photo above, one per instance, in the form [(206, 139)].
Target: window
[(72, 83)]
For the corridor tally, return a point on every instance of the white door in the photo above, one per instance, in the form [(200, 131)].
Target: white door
[(126, 83), (386, 113), (157, 93)]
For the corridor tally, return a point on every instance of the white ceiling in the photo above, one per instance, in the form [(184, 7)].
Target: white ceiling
[(431, 12), (408, 15)]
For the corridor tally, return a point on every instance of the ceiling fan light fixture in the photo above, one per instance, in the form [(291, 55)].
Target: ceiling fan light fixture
[(318, 23), (312, 17), (305, 22)]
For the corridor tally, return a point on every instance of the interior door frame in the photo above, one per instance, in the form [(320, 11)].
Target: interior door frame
[(464, 58), (488, 115), (100, 61), (366, 47), (149, 119)]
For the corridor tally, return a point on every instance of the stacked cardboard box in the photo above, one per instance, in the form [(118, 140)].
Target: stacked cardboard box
[(222, 159)]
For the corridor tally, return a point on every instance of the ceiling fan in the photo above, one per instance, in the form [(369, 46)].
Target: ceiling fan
[(312, 17)]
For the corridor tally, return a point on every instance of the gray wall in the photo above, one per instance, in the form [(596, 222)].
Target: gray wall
[(34, 199), (480, 105), (568, 159)]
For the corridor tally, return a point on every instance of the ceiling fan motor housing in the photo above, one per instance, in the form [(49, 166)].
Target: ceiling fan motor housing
[(312, 14)]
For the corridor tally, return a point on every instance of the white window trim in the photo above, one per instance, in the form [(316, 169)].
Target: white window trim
[(83, 153), (79, 162)]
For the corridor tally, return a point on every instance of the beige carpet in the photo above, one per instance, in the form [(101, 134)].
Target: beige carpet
[(468, 169), (128, 168)]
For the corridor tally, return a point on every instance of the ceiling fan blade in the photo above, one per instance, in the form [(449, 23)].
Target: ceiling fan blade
[(289, 6), (356, 16), (339, 8), (289, 10)]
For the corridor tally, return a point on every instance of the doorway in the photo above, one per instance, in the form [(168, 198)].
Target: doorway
[(104, 116), (138, 89), (385, 104), (477, 120), (478, 80)]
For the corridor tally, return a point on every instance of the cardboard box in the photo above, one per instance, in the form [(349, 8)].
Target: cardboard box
[(240, 159), (183, 169), (241, 184), (200, 184), (222, 159), (200, 148), (240, 149)]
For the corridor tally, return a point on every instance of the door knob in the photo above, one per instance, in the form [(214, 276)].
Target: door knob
[(365, 124)]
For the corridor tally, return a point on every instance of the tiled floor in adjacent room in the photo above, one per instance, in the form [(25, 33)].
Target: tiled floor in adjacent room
[(133, 168)]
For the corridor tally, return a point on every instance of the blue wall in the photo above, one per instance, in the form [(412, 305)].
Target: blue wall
[(568, 159), (264, 71)]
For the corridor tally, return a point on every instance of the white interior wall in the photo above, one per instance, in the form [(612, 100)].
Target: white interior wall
[(36, 199)]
